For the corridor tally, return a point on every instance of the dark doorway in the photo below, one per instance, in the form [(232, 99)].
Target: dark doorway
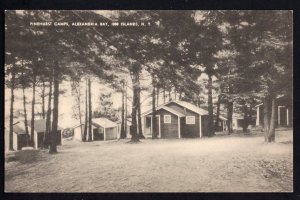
[(98, 133), (283, 116), (22, 141)]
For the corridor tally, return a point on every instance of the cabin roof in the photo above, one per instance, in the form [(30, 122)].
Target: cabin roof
[(171, 110), (191, 107), (40, 125), (18, 130), (103, 122)]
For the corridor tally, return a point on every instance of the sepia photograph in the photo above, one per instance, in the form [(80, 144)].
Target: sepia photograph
[(148, 101)]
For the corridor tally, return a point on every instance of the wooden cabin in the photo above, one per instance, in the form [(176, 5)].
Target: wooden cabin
[(283, 112), (177, 119), (102, 129), (19, 136), (40, 130)]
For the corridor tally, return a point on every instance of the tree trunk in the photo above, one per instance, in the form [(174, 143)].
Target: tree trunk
[(133, 131), (79, 109), (211, 131), (154, 125), (271, 133), (86, 112), (32, 110), (53, 140), (266, 117), (164, 95), (43, 99), (157, 96), (11, 117), (123, 134), (229, 116), (25, 114), (245, 121), (170, 98), (126, 111), (48, 117), (218, 111), (140, 133), (90, 112), (250, 114)]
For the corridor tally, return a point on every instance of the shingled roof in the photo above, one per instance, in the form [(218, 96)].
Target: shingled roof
[(103, 122), (191, 107), (18, 129), (171, 110), (40, 125)]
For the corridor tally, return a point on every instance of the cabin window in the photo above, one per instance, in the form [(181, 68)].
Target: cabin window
[(167, 119), (190, 120)]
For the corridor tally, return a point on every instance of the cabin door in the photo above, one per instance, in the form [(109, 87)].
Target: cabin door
[(282, 119)]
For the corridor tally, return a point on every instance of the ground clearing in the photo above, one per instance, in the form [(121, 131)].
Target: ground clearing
[(220, 164)]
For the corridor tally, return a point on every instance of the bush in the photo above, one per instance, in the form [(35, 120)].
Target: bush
[(69, 132)]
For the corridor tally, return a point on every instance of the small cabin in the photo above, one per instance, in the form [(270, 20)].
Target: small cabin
[(40, 130), (102, 129), (20, 139), (177, 119), (283, 112), (19, 136)]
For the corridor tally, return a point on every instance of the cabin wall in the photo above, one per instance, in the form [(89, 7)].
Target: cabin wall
[(111, 133), (168, 130), (19, 141), (191, 130), (204, 125), (187, 130), (77, 133), (15, 141), (6, 140)]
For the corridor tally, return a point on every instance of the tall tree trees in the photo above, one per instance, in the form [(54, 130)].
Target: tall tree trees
[(123, 133), (86, 113), (11, 117), (139, 117), (207, 42), (76, 92), (53, 136), (261, 39), (90, 111), (48, 115)]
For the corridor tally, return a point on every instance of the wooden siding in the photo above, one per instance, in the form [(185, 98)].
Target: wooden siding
[(204, 121), (77, 133), (190, 130), (111, 133), (187, 130), (168, 130)]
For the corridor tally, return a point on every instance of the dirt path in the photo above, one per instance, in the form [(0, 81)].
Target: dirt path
[(220, 164)]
